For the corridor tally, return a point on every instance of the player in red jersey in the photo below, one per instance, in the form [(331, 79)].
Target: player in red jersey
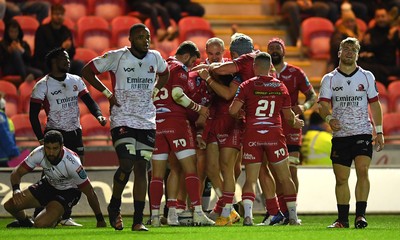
[(263, 98), (174, 135), (296, 81), (225, 136), (201, 93)]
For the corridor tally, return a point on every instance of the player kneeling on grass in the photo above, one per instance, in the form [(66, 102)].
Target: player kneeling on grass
[(64, 181)]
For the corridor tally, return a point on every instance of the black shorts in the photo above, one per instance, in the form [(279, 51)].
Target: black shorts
[(293, 148), (72, 140), (45, 193), (346, 149), (133, 144)]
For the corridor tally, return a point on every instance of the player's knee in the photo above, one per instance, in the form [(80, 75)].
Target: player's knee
[(121, 176), (146, 154), (9, 205)]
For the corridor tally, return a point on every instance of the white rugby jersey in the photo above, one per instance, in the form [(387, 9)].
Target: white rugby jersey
[(60, 101), (68, 173), (349, 96), (133, 81)]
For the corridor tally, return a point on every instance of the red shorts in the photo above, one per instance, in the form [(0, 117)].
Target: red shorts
[(225, 131), (173, 135), (293, 135), (272, 143)]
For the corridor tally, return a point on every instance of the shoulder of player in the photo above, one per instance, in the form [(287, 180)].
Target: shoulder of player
[(366, 72), (71, 157)]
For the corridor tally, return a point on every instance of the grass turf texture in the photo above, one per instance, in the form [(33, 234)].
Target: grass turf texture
[(314, 227)]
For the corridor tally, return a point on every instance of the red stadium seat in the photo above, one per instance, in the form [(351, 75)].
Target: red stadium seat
[(360, 23), (108, 9), (75, 9), (94, 33), (92, 128), (193, 28), (316, 35), (394, 96), (84, 54), (24, 96), (383, 97), (29, 26), (391, 124), (120, 30), (23, 129), (165, 47), (10, 95)]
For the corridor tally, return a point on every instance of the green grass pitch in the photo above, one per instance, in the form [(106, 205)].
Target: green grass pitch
[(313, 227)]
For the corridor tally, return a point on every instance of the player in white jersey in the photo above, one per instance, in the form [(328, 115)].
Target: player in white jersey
[(64, 180), (58, 94), (134, 73), (343, 102)]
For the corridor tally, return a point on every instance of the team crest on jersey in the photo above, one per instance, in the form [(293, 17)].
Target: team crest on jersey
[(182, 76), (151, 69), (122, 131), (81, 172), (360, 88), (286, 77), (75, 88)]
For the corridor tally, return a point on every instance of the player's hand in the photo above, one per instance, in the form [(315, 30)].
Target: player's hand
[(298, 123), (379, 142), (113, 102), (203, 73), (204, 111), (335, 125), (18, 196), (67, 44), (102, 120), (201, 144), (101, 224)]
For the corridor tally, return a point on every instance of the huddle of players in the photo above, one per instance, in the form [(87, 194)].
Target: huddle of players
[(230, 109)]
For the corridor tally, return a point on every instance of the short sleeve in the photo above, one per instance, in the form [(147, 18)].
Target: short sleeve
[(325, 92), (39, 91)]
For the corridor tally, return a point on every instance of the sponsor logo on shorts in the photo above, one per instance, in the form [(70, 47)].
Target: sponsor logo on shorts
[(248, 156)]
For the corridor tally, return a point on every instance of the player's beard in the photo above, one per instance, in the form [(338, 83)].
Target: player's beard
[(276, 58)]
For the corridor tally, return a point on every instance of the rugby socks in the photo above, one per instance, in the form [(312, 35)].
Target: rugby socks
[(172, 203), (228, 200), (192, 183), (291, 205), (156, 192), (248, 200), (205, 199), (219, 205), (115, 203), (343, 212), (272, 206), (138, 214), (360, 208), (282, 203)]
